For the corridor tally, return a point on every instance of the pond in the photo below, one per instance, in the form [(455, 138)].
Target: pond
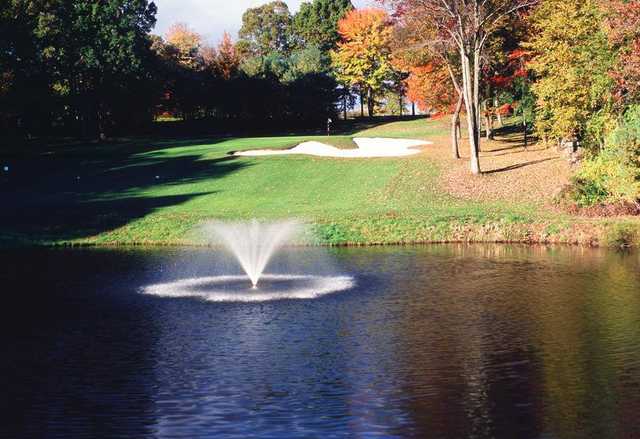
[(454, 341)]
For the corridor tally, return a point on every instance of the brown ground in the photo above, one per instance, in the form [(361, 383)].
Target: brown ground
[(509, 172)]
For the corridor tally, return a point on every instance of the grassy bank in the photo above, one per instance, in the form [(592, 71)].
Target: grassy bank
[(158, 192)]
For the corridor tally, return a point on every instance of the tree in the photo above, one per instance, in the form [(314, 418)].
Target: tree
[(26, 81), (500, 69), (316, 23), (228, 59), (90, 58), (429, 86), (265, 29), (179, 78), (434, 81), (572, 60), (623, 30), (308, 61), (511, 83), (223, 59), (363, 56), (465, 24), (186, 42)]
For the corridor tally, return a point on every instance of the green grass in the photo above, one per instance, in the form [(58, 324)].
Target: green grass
[(415, 129), (158, 192)]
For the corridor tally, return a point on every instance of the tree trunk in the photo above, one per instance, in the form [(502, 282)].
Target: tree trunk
[(344, 108), (524, 127), (455, 128), (361, 104), (413, 108), (100, 134), (370, 103), (487, 124), (470, 87), (498, 115), (488, 121), (400, 102)]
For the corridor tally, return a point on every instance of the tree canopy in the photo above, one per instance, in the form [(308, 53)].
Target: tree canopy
[(266, 29), (363, 56), (571, 60), (316, 23), (77, 61)]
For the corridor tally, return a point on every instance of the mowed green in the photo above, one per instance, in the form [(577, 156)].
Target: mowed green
[(159, 192)]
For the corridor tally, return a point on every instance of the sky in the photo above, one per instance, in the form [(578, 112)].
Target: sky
[(210, 18)]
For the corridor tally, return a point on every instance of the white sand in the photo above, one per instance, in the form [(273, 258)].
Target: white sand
[(367, 147)]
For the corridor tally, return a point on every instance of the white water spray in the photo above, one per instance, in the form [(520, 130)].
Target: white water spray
[(253, 242)]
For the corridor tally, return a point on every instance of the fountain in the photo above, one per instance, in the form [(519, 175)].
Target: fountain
[(252, 244)]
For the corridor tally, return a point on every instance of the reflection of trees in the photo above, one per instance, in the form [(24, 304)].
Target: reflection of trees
[(584, 325), (76, 351), (509, 341), (469, 372)]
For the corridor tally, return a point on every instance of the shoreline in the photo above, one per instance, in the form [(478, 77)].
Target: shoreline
[(620, 233)]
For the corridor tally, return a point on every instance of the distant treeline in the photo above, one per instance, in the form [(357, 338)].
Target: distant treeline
[(89, 69)]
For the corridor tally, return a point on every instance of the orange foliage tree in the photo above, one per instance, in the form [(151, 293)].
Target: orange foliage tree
[(433, 82), (363, 56), (223, 59), (463, 26)]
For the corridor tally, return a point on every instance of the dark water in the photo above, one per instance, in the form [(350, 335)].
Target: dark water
[(433, 342)]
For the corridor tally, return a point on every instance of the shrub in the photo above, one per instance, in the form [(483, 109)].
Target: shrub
[(597, 127), (621, 236), (613, 175), (627, 136)]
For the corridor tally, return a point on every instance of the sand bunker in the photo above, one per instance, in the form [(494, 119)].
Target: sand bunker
[(367, 147)]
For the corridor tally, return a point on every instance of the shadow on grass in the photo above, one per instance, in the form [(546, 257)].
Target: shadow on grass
[(511, 149), (519, 165), (76, 194), (71, 190), (354, 126), (514, 133), (83, 219)]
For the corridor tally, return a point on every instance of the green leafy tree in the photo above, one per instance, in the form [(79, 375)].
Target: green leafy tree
[(308, 61), (572, 60), (317, 22), (265, 29), (25, 79), (92, 55)]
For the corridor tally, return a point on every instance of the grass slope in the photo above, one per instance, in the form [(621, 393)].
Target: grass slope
[(158, 192)]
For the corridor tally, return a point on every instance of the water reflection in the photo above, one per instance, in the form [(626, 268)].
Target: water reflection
[(67, 369), (438, 342), (518, 342)]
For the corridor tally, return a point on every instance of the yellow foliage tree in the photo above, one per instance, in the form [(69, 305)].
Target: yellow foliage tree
[(187, 43), (362, 59), (571, 60)]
